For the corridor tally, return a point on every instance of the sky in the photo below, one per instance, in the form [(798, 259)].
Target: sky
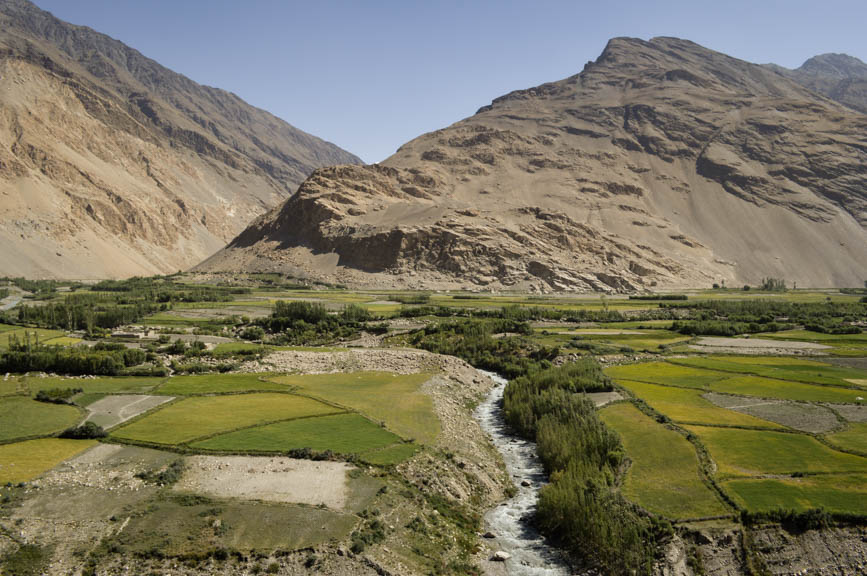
[(370, 75)]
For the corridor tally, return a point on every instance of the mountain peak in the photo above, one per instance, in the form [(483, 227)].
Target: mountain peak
[(835, 65)]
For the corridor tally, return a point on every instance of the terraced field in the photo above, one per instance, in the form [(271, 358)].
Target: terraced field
[(346, 433), (684, 405), (854, 438), (196, 417), (768, 458), (664, 477), (24, 461), (755, 452), (22, 417), (217, 384), (394, 399), (841, 493)]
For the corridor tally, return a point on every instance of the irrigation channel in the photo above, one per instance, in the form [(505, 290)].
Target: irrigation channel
[(530, 554)]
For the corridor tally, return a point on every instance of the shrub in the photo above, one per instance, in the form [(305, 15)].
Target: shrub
[(88, 430)]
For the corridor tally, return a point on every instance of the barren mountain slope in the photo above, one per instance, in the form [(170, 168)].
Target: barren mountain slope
[(840, 77), (662, 164), (111, 165)]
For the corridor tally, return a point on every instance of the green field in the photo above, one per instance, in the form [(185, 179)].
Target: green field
[(22, 417), (664, 476), (665, 373), (41, 334), (787, 390), (782, 368), (197, 417), (853, 438), (216, 384), (23, 461), (686, 405), (394, 399), (835, 493), (340, 433), (751, 452), (101, 385)]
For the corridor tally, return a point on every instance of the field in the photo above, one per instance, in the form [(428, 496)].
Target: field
[(339, 433), (217, 384), (685, 405), (786, 390), (667, 374), (753, 452), (853, 439), (664, 476), (25, 418), (781, 368), (394, 399), (23, 461), (120, 385), (835, 493), (14, 332), (192, 418)]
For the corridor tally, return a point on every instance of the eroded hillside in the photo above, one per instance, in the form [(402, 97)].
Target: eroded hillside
[(662, 164), (111, 165)]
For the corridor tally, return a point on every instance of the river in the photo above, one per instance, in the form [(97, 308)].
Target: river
[(530, 554)]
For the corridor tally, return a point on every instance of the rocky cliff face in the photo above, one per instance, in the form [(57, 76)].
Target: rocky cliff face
[(840, 77), (112, 165), (662, 164)]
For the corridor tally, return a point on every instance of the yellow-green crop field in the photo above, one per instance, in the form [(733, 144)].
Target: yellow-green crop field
[(754, 452), (686, 405), (395, 399), (196, 417), (24, 461), (665, 477)]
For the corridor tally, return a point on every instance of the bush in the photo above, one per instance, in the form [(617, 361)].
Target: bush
[(57, 395), (86, 431)]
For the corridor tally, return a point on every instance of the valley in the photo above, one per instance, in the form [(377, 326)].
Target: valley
[(255, 423)]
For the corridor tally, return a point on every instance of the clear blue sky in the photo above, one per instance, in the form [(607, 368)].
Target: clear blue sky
[(371, 75)]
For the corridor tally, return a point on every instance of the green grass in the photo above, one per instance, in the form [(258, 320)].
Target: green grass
[(197, 417), (687, 406), (393, 454), (341, 433), (231, 348), (787, 390), (835, 493), (665, 373), (783, 368), (751, 452), (125, 385), (394, 399), (42, 334), (216, 384), (22, 418), (24, 461), (853, 438), (664, 477)]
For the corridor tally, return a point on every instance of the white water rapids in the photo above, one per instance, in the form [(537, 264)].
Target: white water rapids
[(530, 554)]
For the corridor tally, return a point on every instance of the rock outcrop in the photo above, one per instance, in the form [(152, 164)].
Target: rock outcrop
[(112, 165), (662, 164)]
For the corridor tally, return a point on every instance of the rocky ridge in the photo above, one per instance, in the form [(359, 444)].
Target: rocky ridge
[(112, 165), (661, 165)]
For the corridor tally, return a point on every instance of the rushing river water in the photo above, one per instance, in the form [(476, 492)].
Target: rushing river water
[(530, 554)]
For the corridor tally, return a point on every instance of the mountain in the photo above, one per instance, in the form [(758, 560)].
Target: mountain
[(112, 165), (840, 77), (662, 164)]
